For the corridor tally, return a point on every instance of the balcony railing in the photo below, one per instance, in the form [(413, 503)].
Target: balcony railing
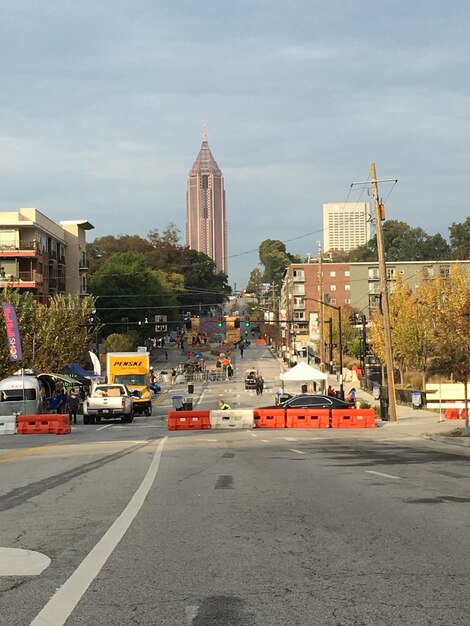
[(21, 277), (22, 245)]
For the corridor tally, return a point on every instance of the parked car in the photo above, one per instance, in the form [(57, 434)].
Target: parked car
[(312, 401)]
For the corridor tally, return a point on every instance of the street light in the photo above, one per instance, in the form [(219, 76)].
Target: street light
[(340, 346)]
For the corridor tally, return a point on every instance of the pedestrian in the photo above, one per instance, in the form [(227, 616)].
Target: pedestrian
[(351, 397), (166, 355), (331, 391), (241, 349), (224, 406), (62, 401), (53, 402), (229, 370), (73, 401), (259, 385), (173, 376)]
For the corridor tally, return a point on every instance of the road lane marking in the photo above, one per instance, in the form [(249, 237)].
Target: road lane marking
[(289, 438), (103, 427), (29, 451), (265, 440), (253, 435), (18, 562), (382, 474), (298, 451), (61, 605)]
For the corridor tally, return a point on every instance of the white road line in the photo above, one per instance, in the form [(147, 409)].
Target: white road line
[(253, 435), (265, 440), (298, 451), (60, 606), (289, 438), (106, 426), (382, 474)]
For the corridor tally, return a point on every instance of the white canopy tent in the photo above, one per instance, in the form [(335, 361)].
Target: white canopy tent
[(302, 372)]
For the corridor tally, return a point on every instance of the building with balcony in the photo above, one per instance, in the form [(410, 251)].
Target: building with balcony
[(365, 279), (40, 256)]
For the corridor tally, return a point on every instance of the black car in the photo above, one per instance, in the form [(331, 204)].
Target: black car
[(312, 401)]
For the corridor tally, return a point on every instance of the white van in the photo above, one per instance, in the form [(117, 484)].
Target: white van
[(21, 394)]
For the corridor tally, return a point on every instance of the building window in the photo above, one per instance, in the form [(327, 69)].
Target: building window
[(428, 272), (444, 271), (347, 287), (332, 274), (333, 287), (347, 273), (299, 315), (299, 275), (391, 273), (205, 181), (347, 301), (373, 273), (333, 301)]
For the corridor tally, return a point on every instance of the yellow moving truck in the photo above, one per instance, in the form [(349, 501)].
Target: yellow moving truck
[(131, 369)]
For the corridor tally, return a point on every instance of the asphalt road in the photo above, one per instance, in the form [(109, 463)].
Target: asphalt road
[(266, 527)]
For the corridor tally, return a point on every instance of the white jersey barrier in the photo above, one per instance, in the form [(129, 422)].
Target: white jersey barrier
[(232, 419), (7, 424)]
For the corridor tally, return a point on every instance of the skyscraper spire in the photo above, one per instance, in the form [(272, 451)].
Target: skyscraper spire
[(206, 228)]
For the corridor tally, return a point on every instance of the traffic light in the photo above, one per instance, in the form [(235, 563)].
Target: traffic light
[(247, 322), (237, 322), (188, 324), (220, 323)]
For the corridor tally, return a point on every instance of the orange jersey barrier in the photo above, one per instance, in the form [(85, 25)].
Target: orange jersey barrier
[(452, 414), (353, 418), (189, 420), (308, 418), (269, 418), (55, 424)]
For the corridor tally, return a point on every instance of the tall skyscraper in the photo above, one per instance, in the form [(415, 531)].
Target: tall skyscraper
[(346, 225), (206, 227)]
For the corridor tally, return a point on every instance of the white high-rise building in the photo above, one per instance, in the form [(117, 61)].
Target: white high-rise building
[(346, 225)]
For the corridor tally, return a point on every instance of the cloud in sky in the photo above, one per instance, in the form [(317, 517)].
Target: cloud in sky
[(103, 104)]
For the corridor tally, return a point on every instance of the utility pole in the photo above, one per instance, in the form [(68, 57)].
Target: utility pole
[(379, 216), (321, 311)]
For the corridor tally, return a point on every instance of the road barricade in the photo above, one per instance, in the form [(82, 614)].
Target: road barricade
[(353, 418), (189, 420), (269, 418), (232, 418), (308, 418), (452, 414), (7, 424), (53, 424)]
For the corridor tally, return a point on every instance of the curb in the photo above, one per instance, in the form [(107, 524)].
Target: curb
[(462, 442)]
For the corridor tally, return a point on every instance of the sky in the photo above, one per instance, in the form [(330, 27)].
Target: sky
[(103, 104)]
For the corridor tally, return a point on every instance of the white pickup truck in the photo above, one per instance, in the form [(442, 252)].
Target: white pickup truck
[(108, 402)]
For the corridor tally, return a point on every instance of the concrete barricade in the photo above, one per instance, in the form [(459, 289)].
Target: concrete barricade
[(232, 419), (7, 424)]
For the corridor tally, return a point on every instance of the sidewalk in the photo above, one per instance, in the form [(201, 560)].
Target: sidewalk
[(411, 423)]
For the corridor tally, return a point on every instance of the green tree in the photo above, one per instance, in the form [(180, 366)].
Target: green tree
[(128, 291), (52, 336), (275, 259), (459, 237), (116, 342), (254, 282), (403, 243)]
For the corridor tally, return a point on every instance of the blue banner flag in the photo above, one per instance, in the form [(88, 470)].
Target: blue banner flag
[(13, 334)]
